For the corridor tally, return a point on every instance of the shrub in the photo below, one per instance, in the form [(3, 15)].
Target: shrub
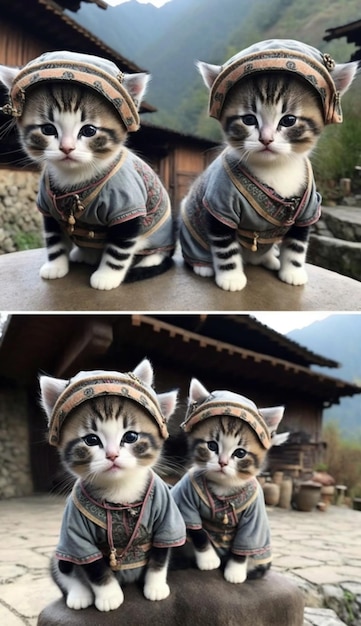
[(343, 458)]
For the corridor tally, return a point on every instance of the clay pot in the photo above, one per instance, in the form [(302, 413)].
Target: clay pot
[(271, 493), (286, 489), (277, 477), (327, 495), (308, 496)]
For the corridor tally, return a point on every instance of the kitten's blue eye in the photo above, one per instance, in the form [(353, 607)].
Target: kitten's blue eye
[(240, 453), (288, 120), (92, 440), (48, 129), (130, 437), (212, 446), (88, 131), (249, 120)]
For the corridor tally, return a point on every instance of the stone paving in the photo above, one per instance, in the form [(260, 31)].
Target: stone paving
[(321, 551)]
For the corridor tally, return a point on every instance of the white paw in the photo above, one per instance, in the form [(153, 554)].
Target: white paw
[(159, 591), (294, 275), (207, 560), (55, 269), (234, 280), (80, 597), (108, 597), (235, 572), (203, 270), (271, 259), (106, 279)]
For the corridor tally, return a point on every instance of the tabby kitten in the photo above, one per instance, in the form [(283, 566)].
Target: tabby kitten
[(97, 197), (220, 498), (120, 520), (260, 191)]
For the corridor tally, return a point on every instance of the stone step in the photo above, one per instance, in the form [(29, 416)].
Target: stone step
[(343, 222), (335, 254)]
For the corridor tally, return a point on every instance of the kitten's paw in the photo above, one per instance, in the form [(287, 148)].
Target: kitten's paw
[(235, 572), (293, 275), (203, 270), (271, 259), (108, 597), (55, 269), (156, 592), (231, 281), (80, 597), (208, 559), (106, 279)]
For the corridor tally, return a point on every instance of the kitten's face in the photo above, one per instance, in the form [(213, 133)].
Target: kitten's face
[(72, 130), (227, 450), (270, 118), (107, 440)]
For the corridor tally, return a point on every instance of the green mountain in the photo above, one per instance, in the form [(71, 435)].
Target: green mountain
[(168, 41), (339, 338)]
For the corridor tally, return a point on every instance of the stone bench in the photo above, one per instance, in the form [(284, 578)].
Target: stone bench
[(196, 599), (179, 289)]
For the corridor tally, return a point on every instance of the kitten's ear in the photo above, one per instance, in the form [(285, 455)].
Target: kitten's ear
[(7, 75), (136, 85), (168, 403), (144, 372), (197, 393), (50, 388), (208, 72), (343, 75), (272, 416)]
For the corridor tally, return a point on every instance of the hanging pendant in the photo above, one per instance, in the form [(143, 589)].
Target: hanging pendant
[(254, 244), (225, 519), (78, 205), (113, 559)]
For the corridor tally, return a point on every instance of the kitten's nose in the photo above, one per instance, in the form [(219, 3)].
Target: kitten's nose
[(67, 149), (223, 462), (112, 456), (266, 135)]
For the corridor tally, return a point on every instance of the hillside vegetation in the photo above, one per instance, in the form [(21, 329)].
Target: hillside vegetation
[(168, 41)]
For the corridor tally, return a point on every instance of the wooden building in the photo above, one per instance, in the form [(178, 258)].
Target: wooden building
[(176, 157), (233, 352)]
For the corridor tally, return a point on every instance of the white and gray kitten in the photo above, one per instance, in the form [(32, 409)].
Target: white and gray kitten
[(226, 454), (109, 443), (271, 123), (75, 135)]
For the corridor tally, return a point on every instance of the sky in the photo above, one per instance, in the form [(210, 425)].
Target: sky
[(285, 321), (157, 3)]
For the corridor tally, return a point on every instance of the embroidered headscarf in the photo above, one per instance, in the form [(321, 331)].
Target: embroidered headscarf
[(221, 403), (95, 72), (87, 385), (286, 55)]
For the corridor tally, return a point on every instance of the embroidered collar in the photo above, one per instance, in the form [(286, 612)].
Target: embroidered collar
[(71, 205)]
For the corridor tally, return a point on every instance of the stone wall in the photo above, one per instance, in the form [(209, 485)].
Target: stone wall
[(335, 242), (20, 220), (15, 469)]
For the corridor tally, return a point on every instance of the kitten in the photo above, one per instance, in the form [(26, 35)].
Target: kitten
[(94, 193), (120, 520), (220, 498), (272, 101)]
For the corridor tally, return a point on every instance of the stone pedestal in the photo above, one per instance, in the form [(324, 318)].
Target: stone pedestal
[(196, 599)]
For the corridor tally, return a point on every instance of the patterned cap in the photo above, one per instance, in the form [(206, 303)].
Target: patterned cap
[(221, 403), (94, 72), (87, 385), (285, 55)]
